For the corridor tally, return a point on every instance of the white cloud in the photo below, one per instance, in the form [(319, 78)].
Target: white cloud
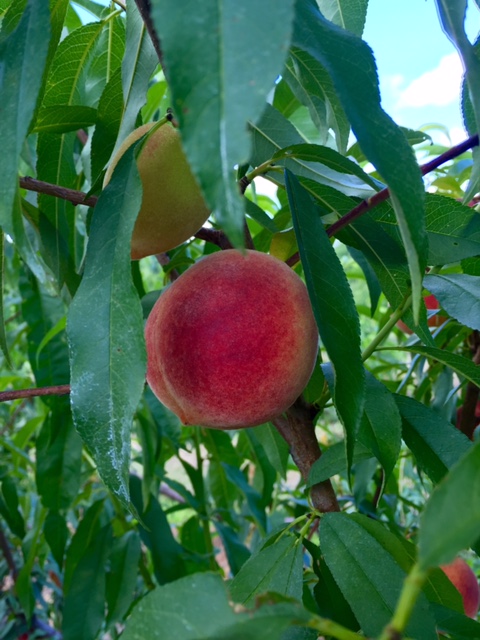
[(439, 87)]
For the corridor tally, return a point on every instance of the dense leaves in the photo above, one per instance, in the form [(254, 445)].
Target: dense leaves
[(117, 521)]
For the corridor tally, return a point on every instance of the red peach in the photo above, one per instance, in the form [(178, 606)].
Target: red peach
[(232, 342), (463, 578), (434, 321)]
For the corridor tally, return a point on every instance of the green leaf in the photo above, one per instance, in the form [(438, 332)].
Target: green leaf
[(274, 132), (452, 16), (63, 118), (254, 499), (277, 567), (458, 363), (328, 157), (275, 447), (333, 461), (56, 534), (381, 427), (237, 552), (121, 579), (241, 60), (109, 117), (333, 306), (20, 85), (371, 279), (105, 333), (9, 507), (453, 229), (351, 64), (168, 556), (314, 88), (3, 334), (84, 604), (369, 577), (436, 443), (59, 458), (450, 521), (197, 608), (349, 14), (138, 64), (459, 295)]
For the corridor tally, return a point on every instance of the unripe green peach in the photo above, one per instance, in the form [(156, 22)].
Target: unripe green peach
[(173, 208), (232, 342), (463, 578)]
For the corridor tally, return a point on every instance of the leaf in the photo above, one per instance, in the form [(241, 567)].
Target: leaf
[(138, 64), (20, 85), (107, 352), (450, 521), (83, 609), (273, 132), (333, 307), (237, 552), (277, 567), (351, 65), (168, 557), (254, 500), (369, 577), (109, 117), (314, 88), (275, 447), (349, 14), (197, 608), (328, 157), (56, 534), (458, 363), (121, 579), (371, 279), (436, 443), (459, 295), (380, 429), (452, 16), (59, 458), (63, 118), (3, 335), (333, 461), (241, 61), (453, 229)]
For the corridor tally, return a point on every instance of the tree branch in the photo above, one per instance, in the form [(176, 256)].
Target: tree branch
[(297, 428), (58, 390), (384, 194), (71, 195)]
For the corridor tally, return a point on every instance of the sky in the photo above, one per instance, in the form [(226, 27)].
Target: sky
[(419, 69)]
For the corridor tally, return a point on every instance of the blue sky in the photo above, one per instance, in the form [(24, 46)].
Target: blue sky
[(419, 69)]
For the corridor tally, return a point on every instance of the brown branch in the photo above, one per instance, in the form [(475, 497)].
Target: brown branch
[(144, 9), (58, 390), (297, 428), (215, 236), (384, 194), (73, 196)]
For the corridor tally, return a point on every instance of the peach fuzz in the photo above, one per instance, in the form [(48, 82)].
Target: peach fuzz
[(463, 578), (232, 342)]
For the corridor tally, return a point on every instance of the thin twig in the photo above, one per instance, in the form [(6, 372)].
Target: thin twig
[(71, 195), (384, 194), (56, 390)]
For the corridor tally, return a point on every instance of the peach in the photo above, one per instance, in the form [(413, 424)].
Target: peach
[(173, 208), (232, 342), (463, 578)]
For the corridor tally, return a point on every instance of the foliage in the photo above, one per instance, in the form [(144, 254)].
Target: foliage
[(115, 520)]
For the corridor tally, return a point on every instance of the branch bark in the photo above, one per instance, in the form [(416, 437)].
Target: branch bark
[(297, 428)]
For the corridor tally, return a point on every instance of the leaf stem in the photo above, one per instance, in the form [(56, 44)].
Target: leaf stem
[(332, 629), (387, 327), (412, 588)]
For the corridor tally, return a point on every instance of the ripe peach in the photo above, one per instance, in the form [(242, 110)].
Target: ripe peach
[(232, 342), (463, 578), (173, 208), (434, 321)]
